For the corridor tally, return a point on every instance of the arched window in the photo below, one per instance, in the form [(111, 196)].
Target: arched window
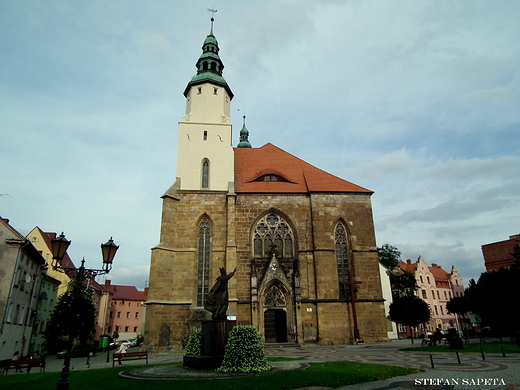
[(203, 261), (273, 232), (342, 261), (205, 173)]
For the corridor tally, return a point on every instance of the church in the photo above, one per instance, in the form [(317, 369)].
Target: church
[(301, 240)]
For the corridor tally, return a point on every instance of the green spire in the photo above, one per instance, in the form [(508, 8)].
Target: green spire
[(209, 66), (244, 136)]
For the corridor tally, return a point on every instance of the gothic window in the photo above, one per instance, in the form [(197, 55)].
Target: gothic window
[(205, 173), (275, 297), (342, 261), (271, 232), (203, 261)]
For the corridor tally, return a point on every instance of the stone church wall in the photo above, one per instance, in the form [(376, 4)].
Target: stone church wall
[(316, 314)]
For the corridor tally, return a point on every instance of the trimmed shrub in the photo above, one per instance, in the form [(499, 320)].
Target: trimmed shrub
[(455, 343), (244, 351), (193, 346)]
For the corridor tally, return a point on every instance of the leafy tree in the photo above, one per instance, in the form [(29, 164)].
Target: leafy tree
[(409, 311), (516, 256), (458, 305), (74, 317), (403, 283), (389, 256), (495, 298)]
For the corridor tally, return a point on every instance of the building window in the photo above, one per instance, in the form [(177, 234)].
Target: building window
[(135, 329), (442, 310), (127, 328), (205, 135), (203, 261), (205, 173), (137, 315), (127, 314), (428, 279), (445, 295), (424, 294), (436, 311), (421, 278), (342, 261), (118, 314), (111, 314), (273, 233), (438, 295), (215, 89)]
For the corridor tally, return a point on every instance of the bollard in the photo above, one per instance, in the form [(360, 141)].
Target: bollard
[(503, 353), (431, 360), (482, 352), (458, 357)]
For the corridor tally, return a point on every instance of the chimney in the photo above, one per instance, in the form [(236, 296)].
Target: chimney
[(408, 261)]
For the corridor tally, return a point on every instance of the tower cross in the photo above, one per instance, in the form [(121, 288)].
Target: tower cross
[(212, 18), (212, 12)]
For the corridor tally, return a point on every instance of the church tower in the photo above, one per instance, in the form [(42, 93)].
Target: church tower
[(205, 153)]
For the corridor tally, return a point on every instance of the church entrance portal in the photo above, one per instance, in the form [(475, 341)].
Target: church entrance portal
[(275, 326)]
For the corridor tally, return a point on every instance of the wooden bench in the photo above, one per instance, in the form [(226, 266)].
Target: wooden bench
[(24, 363), (119, 357)]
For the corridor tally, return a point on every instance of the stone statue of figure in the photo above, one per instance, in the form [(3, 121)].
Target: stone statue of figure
[(217, 298)]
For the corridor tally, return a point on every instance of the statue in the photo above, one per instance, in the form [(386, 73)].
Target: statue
[(217, 298)]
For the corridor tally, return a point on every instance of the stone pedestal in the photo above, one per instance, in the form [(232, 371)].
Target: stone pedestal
[(213, 345)]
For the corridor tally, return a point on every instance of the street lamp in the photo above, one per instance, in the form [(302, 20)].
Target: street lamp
[(59, 247)]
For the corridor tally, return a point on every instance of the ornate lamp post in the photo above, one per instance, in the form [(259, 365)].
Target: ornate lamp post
[(59, 248)]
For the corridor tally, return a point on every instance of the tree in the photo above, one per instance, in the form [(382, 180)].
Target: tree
[(458, 305), (495, 299), (389, 256), (409, 311), (403, 283), (74, 317)]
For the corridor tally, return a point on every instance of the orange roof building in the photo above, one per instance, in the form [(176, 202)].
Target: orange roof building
[(302, 240), (500, 254), (436, 287)]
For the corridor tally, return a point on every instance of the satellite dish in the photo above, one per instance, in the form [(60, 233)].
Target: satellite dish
[(28, 278)]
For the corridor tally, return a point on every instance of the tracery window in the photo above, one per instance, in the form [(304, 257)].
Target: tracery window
[(273, 232), (203, 261), (275, 297), (342, 261)]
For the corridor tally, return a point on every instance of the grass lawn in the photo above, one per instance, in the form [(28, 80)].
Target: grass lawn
[(491, 348), (333, 375)]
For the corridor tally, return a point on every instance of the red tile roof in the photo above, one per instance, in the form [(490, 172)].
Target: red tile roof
[(127, 293), (302, 177)]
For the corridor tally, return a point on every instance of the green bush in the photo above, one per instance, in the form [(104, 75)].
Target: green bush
[(244, 351), (193, 346)]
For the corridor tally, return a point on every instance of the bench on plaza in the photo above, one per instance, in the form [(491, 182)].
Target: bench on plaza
[(21, 364), (120, 357)]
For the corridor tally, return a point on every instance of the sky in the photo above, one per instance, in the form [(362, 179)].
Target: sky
[(418, 101)]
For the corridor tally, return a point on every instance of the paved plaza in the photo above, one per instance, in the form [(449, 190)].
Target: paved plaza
[(473, 372)]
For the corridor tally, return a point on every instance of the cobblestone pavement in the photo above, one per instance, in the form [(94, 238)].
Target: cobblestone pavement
[(473, 372), (495, 372)]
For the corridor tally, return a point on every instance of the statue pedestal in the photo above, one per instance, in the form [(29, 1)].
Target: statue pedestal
[(213, 345)]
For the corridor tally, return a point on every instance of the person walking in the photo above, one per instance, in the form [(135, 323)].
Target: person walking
[(122, 349)]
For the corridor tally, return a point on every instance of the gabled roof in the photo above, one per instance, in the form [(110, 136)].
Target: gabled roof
[(127, 293), (48, 237), (302, 177)]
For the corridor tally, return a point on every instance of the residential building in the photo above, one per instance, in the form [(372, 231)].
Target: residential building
[(126, 310), (436, 287), (22, 270), (302, 241), (500, 254), (100, 297)]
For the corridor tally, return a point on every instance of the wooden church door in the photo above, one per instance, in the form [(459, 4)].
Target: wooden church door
[(275, 326)]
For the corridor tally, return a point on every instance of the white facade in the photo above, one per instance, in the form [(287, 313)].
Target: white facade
[(205, 137)]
